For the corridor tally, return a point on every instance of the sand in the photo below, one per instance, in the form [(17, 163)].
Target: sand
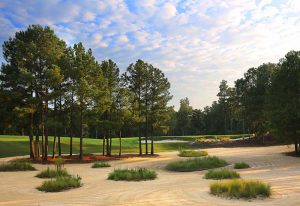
[(170, 188)]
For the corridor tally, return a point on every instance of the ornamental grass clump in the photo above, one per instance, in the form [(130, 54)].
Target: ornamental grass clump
[(100, 164), (60, 184), (192, 153), (221, 174), (51, 173), (239, 188), (241, 165), (136, 174), (196, 164), (16, 166)]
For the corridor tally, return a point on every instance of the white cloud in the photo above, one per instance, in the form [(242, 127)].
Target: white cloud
[(122, 39), (89, 16), (197, 43)]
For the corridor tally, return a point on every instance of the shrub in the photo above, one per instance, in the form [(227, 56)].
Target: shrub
[(60, 184), (196, 164), (50, 173), (100, 164), (17, 166), (221, 174), (240, 189), (241, 165), (136, 174), (192, 153)]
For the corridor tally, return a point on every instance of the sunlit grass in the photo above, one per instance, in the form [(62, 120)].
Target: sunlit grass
[(60, 184), (196, 164), (137, 174), (16, 166), (192, 153), (240, 189), (51, 173), (241, 165), (221, 174), (100, 164)]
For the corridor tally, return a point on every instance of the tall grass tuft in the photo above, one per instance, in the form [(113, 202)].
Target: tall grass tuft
[(192, 153), (240, 189), (50, 173), (16, 166), (196, 164), (60, 184), (100, 164), (137, 174), (241, 165), (221, 174)]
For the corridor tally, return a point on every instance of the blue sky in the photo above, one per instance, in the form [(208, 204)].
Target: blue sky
[(196, 43)]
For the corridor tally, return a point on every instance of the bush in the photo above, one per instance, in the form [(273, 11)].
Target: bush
[(192, 153), (100, 164), (60, 184), (240, 189), (136, 174), (17, 166), (50, 173), (196, 164), (241, 165), (221, 174)]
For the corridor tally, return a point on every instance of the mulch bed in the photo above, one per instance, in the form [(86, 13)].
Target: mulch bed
[(88, 158)]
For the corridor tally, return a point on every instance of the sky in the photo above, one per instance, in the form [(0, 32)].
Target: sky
[(196, 43)]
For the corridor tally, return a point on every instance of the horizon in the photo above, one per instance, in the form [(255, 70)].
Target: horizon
[(196, 44)]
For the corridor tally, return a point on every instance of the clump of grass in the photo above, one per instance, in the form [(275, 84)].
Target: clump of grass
[(100, 164), (59, 163), (137, 174), (60, 184), (221, 174), (196, 164), (192, 153), (241, 165), (16, 166), (50, 173), (240, 189)]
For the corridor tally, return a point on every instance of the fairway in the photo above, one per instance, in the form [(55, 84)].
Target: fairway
[(11, 145)]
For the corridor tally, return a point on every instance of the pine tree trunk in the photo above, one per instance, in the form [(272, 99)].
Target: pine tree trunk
[(146, 135), (54, 145), (37, 145), (297, 150), (71, 125), (103, 145), (152, 138), (31, 144), (81, 134), (120, 143), (59, 145), (110, 146), (55, 130)]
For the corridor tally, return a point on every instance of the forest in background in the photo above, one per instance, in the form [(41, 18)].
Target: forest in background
[(50, 89)]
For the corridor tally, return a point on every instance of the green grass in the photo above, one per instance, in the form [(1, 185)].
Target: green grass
[(16, 166), (60, 184), (137, 174), (51, 173), (241, 165), (192, 153), (240, 189), (196, 164), (100, 164), (11, 145), (221, 174)]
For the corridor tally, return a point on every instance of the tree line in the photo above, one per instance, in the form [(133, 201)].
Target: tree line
[(48, 88), (265, 101)]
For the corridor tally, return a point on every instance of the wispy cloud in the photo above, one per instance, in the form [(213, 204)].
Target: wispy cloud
[(197, 43)]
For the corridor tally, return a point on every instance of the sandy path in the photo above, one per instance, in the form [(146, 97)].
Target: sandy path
[(171, 188)]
